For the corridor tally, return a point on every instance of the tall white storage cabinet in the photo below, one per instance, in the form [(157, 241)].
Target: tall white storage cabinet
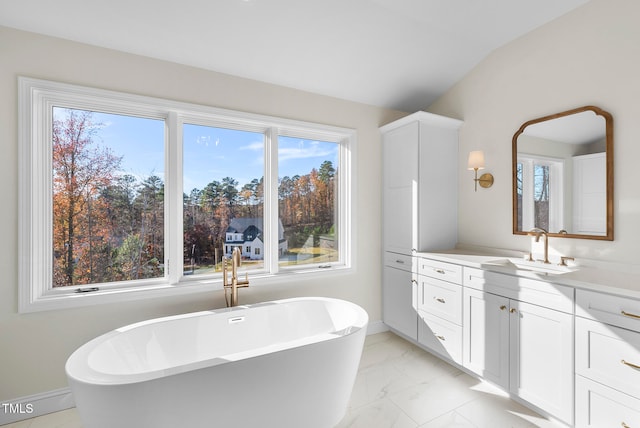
[(420, 204)]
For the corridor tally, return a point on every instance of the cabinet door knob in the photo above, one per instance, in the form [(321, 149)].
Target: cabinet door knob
[(503, 307), (513, 310)]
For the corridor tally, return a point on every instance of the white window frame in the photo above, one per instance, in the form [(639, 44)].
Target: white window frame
[(36, 99)]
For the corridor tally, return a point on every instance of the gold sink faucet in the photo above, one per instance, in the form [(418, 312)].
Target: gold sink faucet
[(537, 232), (235, 282)]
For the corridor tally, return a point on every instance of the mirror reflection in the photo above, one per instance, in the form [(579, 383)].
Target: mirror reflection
[(563, 174)]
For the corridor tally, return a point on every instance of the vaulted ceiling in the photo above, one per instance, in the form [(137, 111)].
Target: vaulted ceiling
[(399, 54)]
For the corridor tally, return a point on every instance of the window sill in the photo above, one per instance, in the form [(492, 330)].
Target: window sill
[(59, 299)]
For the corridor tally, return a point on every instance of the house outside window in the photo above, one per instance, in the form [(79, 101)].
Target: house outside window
[(151, 194)]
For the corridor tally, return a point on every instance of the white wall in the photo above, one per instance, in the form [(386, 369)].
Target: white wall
[(590, 56), (34, 347)]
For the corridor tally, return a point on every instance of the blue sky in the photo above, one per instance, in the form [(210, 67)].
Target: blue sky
[(209, 153)]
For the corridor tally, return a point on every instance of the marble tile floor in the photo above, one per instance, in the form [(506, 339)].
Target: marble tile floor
[(402, 386), (399, 386)]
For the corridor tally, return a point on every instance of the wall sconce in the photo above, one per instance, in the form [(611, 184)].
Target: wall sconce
[(476, 162)]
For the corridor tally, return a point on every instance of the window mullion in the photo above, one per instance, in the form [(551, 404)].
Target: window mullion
[(173, 198), (271, 200)]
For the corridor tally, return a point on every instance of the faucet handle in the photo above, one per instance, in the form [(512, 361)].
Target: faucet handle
[(563, 260)]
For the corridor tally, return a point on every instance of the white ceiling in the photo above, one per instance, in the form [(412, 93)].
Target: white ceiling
[(399, 54)]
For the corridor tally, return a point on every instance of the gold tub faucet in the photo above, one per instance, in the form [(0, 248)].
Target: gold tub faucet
[(235, 282)]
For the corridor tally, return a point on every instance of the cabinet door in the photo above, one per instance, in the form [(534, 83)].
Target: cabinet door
[(400, 188), (485, 335), (399, 300), (400, 156), (438, 188), (541, 342)]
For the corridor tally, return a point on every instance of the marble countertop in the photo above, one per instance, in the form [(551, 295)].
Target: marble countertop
[(607, 279)]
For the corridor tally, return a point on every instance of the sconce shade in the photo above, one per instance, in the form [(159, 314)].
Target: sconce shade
[(476, 160)]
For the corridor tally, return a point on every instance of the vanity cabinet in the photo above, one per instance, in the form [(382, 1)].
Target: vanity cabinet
[(419, 191), (518, 334), (439, 305), (607, 360)]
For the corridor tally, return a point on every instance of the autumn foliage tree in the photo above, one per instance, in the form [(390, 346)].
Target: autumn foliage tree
[(107, 226), (80, 170)]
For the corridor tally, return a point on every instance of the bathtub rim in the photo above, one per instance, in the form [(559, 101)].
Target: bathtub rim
[(78, 370)]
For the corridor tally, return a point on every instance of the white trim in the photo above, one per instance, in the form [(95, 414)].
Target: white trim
[(35, 405), (270, 210), (36, 99), (376, 327)]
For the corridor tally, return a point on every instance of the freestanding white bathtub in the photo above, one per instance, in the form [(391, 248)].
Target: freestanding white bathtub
[(288, 364)]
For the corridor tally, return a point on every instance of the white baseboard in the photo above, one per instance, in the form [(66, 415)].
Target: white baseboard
[(35, 405), (376, 327)]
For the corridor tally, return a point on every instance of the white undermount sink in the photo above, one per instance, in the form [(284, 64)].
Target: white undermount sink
[(531, 266)]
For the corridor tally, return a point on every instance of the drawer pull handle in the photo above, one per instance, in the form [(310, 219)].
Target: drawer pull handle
[(503, 307), (439, 299), (440, 271), (440, 337), (625, 425), (630, 315), (400, 262), (633, 366)]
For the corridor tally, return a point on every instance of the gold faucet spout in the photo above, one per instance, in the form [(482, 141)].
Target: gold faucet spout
[(537, 233)]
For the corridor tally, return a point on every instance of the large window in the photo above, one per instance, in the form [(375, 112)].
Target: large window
[(122, 193)]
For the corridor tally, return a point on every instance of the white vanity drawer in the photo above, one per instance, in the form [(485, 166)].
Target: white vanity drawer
[(440, 298), (399, 261), (541, 293), (440, 270), (609, 355), (440, 336), (616, 310), (600, 407)]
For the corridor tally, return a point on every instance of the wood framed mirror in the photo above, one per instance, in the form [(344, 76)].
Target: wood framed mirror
[(562, 172)]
